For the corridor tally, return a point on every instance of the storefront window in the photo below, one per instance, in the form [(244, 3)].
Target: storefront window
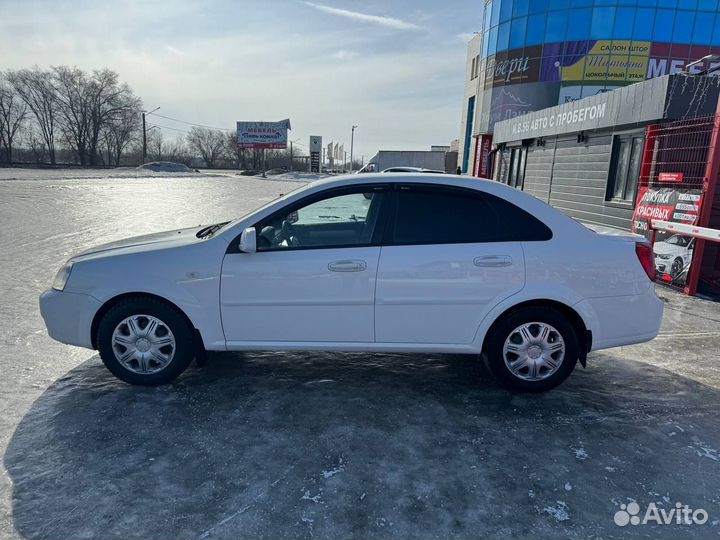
[(625, 168)]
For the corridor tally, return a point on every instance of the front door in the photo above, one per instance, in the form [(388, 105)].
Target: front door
[(313, 276)]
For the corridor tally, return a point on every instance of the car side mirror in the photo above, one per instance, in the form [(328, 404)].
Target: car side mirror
[(248, 240)]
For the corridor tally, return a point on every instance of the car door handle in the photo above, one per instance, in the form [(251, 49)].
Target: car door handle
[(354, 265), (493, 260)]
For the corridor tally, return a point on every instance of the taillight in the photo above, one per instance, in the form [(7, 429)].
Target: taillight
[(647, 260)]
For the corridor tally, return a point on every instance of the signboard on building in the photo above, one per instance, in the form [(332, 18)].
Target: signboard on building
[(315, 152), (263, 135), (673, 252), (482, 156)]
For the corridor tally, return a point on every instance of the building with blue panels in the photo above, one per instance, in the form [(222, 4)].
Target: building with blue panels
[(533, 54)]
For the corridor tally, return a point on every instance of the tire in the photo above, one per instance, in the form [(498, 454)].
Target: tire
[(558, 352), (676, 267), (145, 341)]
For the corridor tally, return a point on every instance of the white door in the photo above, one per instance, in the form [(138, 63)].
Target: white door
[(443, 268), (313, 276)]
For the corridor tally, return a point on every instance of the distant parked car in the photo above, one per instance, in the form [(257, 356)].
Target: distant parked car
[(378, 263), (673, 254), (249, 172), (412, 170)]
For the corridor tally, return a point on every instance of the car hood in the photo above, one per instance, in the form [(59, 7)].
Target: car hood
[(175, 238)]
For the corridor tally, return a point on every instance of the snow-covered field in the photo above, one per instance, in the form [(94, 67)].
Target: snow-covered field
[(316, 444)]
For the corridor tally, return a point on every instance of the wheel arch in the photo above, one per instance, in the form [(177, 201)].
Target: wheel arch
[(110, 303), (584, 334)]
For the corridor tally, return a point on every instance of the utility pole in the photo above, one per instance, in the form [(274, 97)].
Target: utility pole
[(352, 143), (291, 153), (145, 132)]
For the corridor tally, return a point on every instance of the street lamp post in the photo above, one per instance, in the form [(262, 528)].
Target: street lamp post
[(352, 142), (144, 113)]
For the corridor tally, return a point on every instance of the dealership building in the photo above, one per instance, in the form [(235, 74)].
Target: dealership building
[(533, 54)]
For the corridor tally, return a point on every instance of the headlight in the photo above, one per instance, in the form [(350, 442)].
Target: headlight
[(62, 276), (663, 257)]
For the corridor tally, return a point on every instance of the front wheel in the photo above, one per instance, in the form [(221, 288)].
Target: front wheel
[(145, 341), (532, 349)]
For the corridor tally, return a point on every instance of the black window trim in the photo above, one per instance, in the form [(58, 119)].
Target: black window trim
[(376, 240)]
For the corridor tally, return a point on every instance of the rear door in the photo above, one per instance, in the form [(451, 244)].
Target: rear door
[(445, 262)]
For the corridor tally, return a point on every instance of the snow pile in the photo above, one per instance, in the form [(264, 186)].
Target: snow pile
[(165, 167), (298, 176)]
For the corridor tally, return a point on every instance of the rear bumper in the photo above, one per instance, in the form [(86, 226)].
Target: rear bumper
[(68, 316), (623, 320)]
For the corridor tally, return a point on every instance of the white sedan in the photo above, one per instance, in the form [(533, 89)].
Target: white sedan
[(414, 263)]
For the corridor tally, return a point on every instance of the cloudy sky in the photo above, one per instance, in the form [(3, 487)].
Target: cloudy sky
[(393, 67)]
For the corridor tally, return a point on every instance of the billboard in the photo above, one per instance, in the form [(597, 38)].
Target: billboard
[(673, 252), (263, 135)]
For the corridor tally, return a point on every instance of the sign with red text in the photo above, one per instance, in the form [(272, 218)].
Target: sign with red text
[(674, 177), (263, 135), (672, 250)]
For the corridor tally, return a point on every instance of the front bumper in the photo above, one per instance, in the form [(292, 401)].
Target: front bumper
[(68, 316)]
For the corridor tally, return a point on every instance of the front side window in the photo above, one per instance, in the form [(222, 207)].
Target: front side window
[(625, 168), (452, 217), (346, 220)]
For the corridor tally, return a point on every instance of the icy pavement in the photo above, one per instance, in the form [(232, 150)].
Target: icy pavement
[(279, 445)]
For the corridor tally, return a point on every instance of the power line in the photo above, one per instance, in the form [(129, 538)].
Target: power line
[(190, 123), (168, 127)]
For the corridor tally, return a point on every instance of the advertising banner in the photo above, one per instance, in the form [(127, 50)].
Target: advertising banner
[(482, 156), (515, 66), (510, 101), (268, 135), (673, 252), (595, 61)]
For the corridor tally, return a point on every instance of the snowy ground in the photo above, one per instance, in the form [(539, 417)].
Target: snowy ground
[(281, 445)]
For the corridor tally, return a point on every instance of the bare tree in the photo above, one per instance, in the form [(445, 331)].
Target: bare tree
[(88, 104), (155, 144), (33, 140), (208, 143), (232, 151), (35, 89), (119, 133), (13, 112)]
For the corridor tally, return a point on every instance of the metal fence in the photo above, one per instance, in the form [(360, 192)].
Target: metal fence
[(682, 160)]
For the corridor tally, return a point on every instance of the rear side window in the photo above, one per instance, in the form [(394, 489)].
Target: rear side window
[(453, 217)]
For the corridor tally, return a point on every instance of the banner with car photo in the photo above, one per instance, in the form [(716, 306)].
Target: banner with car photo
[(673, 252)]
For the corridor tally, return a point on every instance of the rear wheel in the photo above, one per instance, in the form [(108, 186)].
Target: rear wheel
[(532, 349), (145, 341)]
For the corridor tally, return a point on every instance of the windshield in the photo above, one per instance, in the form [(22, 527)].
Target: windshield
[(678, 240)]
